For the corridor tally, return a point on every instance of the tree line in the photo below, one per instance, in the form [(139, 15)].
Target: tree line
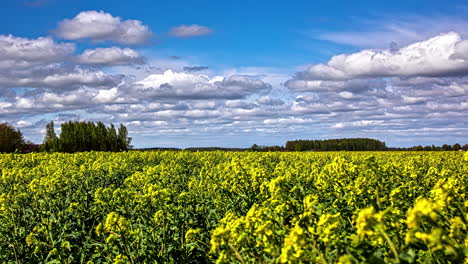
[(74, 137), (350, 144), (89, 136), (444, 147)]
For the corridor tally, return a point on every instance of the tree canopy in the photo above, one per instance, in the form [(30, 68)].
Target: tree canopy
[(351, 144), (11, 139), (86, 136)]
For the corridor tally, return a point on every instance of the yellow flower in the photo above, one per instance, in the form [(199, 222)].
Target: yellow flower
[(346, 259), (293, 245), (366, 220), (30, 239), (327, 225), (191, 234), (423, 207), (115, 223), (121, 260)]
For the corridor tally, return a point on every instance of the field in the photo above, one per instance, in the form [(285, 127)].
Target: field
[(225, 207)]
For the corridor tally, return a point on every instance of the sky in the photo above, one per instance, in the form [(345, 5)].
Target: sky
[(236, 73)]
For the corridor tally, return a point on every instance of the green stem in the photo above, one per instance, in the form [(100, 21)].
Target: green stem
[(390, 243), (236, 253)]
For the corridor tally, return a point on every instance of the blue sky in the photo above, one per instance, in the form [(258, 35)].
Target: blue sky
[(206, 73)]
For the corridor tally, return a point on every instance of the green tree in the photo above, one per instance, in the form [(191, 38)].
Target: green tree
[(11, 140), (123, 140), (418, 148), (50, 140), (86, 136), (112, 138), (255, 147), (456, 147), (446, 147)]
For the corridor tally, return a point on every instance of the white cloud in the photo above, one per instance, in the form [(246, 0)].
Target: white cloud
[(205, 104), (367, 93), (357, 85), (58, 78), (101, 26), (267, 100), (361, 123), (16, 52), (432, 57), (109, 56), (239, 104), (106, 96), (24, 103), (187, 31), (170, 84), (23, 123), (395, 31), (461, 50), (413, 99), (288, 121), (346, 95)]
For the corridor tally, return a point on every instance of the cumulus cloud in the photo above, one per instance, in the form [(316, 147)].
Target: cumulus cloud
[(421, 88), (101, 26), (361, 123), (170, 84), (188, 31), (43, 63), (17, 52), (57, 77), (417, 87), (109, 56), (356, 85), (437, 56), (461, 51), (267, 100), (107, 96)]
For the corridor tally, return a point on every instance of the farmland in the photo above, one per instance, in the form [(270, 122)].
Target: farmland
[(225, 207)]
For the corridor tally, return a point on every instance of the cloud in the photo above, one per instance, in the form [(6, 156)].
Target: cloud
[(437, 56), (109, 57), (188, 31), (107, 96), (195, 68), (362, 123), (101, 26), (388, 32), (44, 63), (238, 104), (17, 52), (421, 88), (356, 85), (370, 92), (461, 51), (170, 84), (267, 100), (57, 77)]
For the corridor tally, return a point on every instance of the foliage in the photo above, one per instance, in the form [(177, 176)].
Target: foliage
[(86, 136), (11, 140), (353, 144), (234, 207)]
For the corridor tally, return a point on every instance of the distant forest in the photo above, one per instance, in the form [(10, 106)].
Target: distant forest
[(89, 136), (351, 144), (74, 137)]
